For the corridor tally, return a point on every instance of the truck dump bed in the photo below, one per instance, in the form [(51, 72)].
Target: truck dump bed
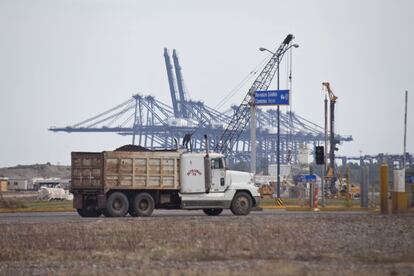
[(125, 170)]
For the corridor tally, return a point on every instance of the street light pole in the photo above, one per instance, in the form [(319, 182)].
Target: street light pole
[(278, 135), (405, 129), (278, 120)]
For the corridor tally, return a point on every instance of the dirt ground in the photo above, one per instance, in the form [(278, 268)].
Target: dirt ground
[(280, 244)]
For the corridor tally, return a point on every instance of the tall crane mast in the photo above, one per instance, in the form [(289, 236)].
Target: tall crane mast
[(171, 83), (180, 84), (332, 140), (243, 115)]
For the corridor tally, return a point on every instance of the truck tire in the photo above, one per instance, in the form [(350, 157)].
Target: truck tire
[(212, 211), (117, 205), (241, 204), (89, 212), (143, 205)]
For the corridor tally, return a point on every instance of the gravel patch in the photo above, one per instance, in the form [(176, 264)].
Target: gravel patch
[(283, 244)]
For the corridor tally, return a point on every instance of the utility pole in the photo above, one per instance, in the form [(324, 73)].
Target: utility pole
[(405, 128), (326, 144), (407, 187), (332, 144), (348, 186), (364, 186), (278, 134)]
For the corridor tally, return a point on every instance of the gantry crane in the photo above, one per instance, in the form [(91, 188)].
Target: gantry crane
[(332, 140), (148, 120)]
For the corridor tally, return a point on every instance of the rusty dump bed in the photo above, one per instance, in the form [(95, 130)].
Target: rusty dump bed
[(123, 170)]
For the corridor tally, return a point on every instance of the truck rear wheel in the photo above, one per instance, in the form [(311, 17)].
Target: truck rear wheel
[(241, 204), (143, 205), (89, 212), (117, 205), (212, 211)]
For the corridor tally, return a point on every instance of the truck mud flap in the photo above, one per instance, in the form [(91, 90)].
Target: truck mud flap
[(101, 201), (78, 201)]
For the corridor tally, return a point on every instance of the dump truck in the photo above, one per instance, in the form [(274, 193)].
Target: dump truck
[(137, 181)]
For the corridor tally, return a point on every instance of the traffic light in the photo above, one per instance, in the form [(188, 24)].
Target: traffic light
[(336, 142), (319, 155)]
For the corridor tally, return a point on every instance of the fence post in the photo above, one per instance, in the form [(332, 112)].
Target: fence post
[(364, 196), (384, 188)]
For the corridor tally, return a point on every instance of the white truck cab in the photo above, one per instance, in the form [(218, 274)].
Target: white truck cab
[(207, 184)]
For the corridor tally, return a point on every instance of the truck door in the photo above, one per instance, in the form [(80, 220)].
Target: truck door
[(217, 175)]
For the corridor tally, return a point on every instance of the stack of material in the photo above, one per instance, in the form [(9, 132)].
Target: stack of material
[(54, 193), (266, 191)]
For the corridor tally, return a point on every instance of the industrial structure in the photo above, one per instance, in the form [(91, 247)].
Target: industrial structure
[(153, 124)]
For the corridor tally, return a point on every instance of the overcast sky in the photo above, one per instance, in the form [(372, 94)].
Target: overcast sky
[(64, 61)]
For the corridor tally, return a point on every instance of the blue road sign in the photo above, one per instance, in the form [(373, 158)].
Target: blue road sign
[(410, 179), (272, 97), (307, 178)]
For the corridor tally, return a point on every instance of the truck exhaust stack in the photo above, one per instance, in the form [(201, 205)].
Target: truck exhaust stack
[(207, 166)]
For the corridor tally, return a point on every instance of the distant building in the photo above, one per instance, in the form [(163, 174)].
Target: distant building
[(18, 184), (50, 183)]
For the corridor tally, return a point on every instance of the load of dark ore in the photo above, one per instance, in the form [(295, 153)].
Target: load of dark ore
[(139, 148)]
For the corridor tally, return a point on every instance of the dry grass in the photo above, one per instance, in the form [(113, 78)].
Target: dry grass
[(284, 245), (11, 203)]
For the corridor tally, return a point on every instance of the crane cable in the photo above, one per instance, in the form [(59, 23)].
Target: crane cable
[(234, 91), (238, 87)]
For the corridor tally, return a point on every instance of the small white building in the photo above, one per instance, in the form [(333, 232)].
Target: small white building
[(18, 184)]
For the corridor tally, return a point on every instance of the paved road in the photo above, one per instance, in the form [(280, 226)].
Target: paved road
[(46, 217)]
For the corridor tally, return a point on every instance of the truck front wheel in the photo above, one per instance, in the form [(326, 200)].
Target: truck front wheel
[(117, 204), (241, 204), (212, 211), (143, 205)]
